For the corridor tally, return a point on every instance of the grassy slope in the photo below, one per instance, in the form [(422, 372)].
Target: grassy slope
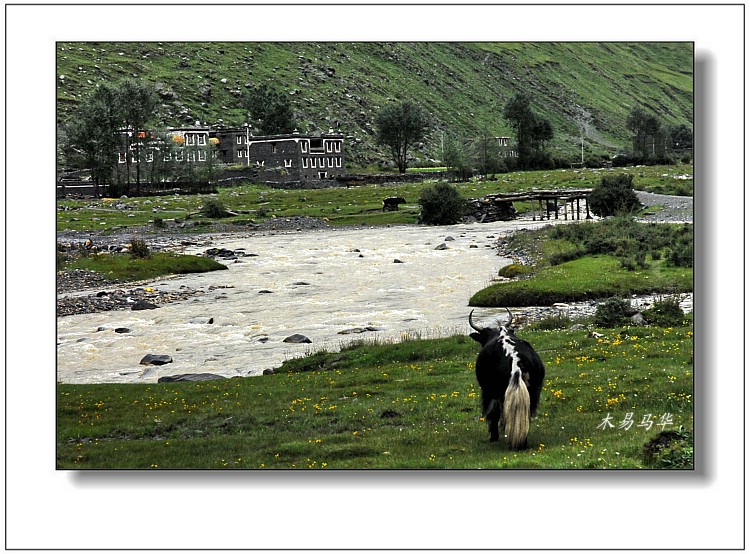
[(408, 405), (463, 85)]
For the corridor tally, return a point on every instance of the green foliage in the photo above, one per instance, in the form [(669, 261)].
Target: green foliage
[(511, 271), (665, 313), (214, 209), (551, 323), (671, 449), (270, 110), (532, 132), (400, 127), (613, 312), (441, 204), (614, 196), (139, 249)]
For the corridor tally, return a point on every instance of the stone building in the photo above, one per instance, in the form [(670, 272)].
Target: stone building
[(283, 158)]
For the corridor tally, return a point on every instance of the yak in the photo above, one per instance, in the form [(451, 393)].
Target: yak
[(510, 374), (391, 204)]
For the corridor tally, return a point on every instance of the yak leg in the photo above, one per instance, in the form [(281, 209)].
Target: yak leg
[(493, 411)]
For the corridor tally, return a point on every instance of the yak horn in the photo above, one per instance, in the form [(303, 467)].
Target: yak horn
[(510, 318), (471, 323)]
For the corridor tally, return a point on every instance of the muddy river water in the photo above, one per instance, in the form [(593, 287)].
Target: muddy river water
[(332, 286)]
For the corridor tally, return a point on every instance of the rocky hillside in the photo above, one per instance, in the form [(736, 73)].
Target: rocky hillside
[(342, 85)]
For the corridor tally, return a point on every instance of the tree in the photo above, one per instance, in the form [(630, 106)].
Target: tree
[(487, 154), (91, 134), (614, 196), (532, 132), (400, 127), (270, 110), (649, 137), (137, 101), (455, 157), (441, 204)]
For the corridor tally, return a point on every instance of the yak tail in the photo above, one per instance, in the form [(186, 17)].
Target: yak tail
[(517, 411)]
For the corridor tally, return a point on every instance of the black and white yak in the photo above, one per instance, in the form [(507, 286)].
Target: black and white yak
[(510, 374)]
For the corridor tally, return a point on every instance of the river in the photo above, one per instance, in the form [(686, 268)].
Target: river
[(316, 283)]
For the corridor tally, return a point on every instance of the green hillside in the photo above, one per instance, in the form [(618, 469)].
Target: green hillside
[(463, 85)]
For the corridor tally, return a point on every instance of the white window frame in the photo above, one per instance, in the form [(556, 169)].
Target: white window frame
[(338, 161), (305, 162), (337, 146), (179, 156), (329, 146), (123, 157), (240, 152), (202, 140), (201, 155), (313, 162), (167, 156), (287, 163), (189, 139), (304, 145), (239, 139)]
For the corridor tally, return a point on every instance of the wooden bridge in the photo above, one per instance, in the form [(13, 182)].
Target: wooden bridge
[(546, 202)]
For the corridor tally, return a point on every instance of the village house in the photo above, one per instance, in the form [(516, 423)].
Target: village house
[(290, 158), (284, 158)]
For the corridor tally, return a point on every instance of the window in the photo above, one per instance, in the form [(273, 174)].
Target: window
[(322, 174), (240, 152), (123, 158), (201, 140), (190, 139), (303, 145), (150, 156), (179, 156), (329, 146), (337, 146), (201, 155), (313, 162), (330, 162), (167, 156), (273, 149), (287, 163), (239, 139), (305, 162), (191, 156), (316, 145), (338, 161)]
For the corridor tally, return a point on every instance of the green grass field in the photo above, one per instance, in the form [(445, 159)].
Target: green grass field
[(414, 404), (362, 205)]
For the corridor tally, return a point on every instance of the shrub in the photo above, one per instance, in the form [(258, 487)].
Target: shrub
[(214, 209), (614, 196), (441, 205), (159, 223), (552, 323), (139, 249), (514, 270), (670, 449), (665, 313), (613, 312)]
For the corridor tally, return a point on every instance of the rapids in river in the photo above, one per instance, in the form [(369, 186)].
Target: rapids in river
[(319, 284)]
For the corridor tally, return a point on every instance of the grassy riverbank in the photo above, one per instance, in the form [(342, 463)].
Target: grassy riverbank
[(361, 205), (408, 405), (616, 257), (124, 267)]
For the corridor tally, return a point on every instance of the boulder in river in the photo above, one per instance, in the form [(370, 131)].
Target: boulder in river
[(143, 305), (297, 339), (156, 359), (190, 377)]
